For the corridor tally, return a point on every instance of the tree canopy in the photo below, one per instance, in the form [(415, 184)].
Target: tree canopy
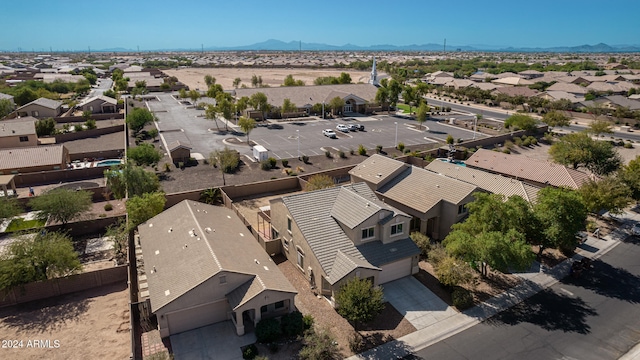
[(359, 301), (37, 257), (580, 150), (319, 181), (61, 204), (6, 107), (608, 194), (422, 113), (562, 214), (144, 154), (138, 118), (521, 121), (630, 175), (556, 118), (141, 208), (290, 81), (9, 208), (131, 178), (336, 104), (246, 124)]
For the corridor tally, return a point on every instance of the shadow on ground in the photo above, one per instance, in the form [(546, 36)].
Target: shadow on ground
[(609, 281), (549, 310)]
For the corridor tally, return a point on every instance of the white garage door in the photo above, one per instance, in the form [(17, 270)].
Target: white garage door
[(196, 317), (395, 270)]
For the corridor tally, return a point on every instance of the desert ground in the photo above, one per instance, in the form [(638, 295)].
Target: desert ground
[(92, 324), (194, 77)]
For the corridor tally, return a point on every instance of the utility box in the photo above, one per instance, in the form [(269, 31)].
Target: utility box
[(260, 153)]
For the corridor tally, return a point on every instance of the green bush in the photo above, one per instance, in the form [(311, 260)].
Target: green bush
[(305, 159), (400, 146), (533, 140), (285, 162), (423, 242), (108, 207), (378, 149), (526, 142), (167, 167), (362, 150), (517, 141), (342, 155), (352, 152), (265, 165), (268, 330), (461, 298), (407, 150), (250, 352), (628, 145), (508, 144), (307, 321), (591, 226), (327, 153), (292, 324), (436, 254), (506, 151), (272, 162)]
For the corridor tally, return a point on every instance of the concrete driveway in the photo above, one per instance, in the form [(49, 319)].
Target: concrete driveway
[(416, 303), (217, 341)]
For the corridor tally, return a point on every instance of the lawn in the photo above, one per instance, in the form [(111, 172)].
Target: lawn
[(404, 107), (22, 224)]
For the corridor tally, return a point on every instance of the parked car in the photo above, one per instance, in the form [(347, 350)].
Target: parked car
[(353, 127), (635, 230), (359, 126), (329, 133), (343, 128)]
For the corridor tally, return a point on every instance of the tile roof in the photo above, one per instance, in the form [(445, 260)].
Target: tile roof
[(512, 80), (48, 103), (376, 168), (22, 126), (310, 94), (623, 101), (421, 189), (33, 156), (335, 252), (493, 183), (524, 168), (191, 242), (568, 87), (106, 99), (351, 208), (516, 91)]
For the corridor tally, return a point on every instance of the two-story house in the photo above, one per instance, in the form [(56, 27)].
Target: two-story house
[(336, 234)]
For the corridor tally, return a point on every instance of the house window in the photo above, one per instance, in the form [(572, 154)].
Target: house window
[(285, 243), (34, 113), (300, 258), (90, 108), (367, 233), (274, 233), (462, 209), (289, 222), (263, 309), (396, 229), (279, 305), (24, 138), (223, 279)]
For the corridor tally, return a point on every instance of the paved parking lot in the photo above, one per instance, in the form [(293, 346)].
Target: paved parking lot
[(177, 121)]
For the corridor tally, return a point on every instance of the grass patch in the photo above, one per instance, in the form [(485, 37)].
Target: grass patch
[(22, 224), (404, 107)]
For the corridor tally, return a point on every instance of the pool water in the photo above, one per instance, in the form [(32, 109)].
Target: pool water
[(110, 162), (454, 162)]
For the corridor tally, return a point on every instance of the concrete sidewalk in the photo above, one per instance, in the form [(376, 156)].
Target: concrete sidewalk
[(534, 282)]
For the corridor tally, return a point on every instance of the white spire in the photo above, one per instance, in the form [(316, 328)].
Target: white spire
[(374, 74)]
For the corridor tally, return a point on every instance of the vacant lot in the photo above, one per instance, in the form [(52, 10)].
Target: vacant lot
[(194, 77), (92, 324)]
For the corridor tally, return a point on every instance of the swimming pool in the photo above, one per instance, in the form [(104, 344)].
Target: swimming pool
[(455, 162), (110, 162)]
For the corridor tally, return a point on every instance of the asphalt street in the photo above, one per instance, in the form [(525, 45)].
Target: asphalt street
[(592, 317)]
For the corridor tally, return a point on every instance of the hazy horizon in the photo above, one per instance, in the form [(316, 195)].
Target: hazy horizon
[(155, 25)]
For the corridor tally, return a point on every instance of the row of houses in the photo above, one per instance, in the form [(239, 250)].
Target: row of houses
[(202, 265)]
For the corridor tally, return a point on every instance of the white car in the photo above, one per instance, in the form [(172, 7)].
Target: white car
[(343, 128), (329, 133), (635, 230)]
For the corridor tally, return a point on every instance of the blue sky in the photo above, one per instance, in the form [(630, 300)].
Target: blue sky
[(161, 24)]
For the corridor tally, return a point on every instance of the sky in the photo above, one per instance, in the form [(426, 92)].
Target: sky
[(40, 25)]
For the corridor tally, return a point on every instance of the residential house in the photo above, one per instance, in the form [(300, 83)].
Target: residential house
[(203, 266), (615, 101), (492, 183), (99, 105), (179, 152), (531, 74), (514, 91), (435, 202), (534, 172), (4, 96), (18, 133), (561, 95), (339, 233), (41, 108), (577, 90), (512, 81), (618, 88), (33, 159)]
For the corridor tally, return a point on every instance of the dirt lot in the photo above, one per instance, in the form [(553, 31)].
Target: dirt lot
[(194, 77), (541, 152), (92, 324)]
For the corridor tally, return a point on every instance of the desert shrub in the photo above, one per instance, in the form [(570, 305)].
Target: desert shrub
[(591, 226), (506, 151), (362, 150), (517, 141), (533, 140), (352, 152), (400, 146), (356, 343), (526, 142), (108, 207), (508, 144), (423, 242), (299, 169), (292, 324), (272, 162), (265, 165), (461, 298), (285, 162), (307, 321), (436, 254), (250, 352), (305, 159), (407, 150), (378, 149), (268, 330), (548, 138), (167, 167), (628, 145), (327, 153)]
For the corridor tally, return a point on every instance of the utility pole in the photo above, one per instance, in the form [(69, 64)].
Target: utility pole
[(444, 49), (202, 47), (89, 50)]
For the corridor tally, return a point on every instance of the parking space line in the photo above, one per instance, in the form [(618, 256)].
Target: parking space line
[(291, 156), (265, 141), (314, 152), (276, 155)]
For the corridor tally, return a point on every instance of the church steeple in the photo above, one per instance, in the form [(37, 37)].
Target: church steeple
[(374, 74)]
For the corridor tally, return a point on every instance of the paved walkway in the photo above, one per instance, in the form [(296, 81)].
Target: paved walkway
[(533, 283)]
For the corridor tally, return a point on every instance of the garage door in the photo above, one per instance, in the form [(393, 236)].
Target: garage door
[(394, 270), (196, 317)]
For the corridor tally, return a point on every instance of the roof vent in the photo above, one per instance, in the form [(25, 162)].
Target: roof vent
[(438, 186), (241, 234), (154, 269), (207, 229), (167, 293), (257, 262), (393, 250), (150, 225), (266, 268), (170, 229), (157, 252), (228, 217)]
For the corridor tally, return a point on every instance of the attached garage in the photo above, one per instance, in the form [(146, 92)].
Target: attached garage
[(395, 270), (198, 316)]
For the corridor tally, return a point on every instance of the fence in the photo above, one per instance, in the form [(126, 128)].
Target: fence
[(57, 176), (55, 287), (97, 117), (60, 138)]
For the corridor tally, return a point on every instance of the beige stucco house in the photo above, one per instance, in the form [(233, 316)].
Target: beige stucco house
[(33, 159), (18, 133), (41, 108), (99, 105), (435, 202), (179, 152), (335, 234), (204, 266)]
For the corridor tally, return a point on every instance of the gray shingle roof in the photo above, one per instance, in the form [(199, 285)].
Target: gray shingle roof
[(381, 254), (33, 156), (102, 98), (6, 96), (335, 252), (527, 169), (493, 183), (376, 168), (178, 144), (191, 242), (48, 103)]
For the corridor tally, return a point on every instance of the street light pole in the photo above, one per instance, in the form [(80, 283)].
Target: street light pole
[(298, 136), (323, 109), (396, 144)]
